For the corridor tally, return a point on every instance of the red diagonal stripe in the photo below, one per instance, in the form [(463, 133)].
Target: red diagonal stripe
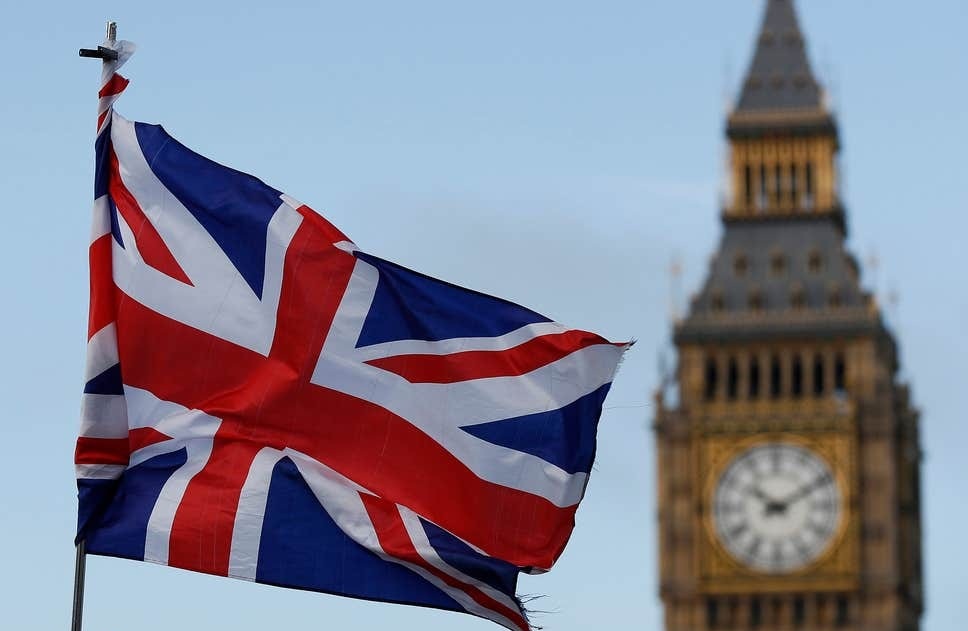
[(141, 437), (466, 365), (115, 85), (101, 451), (396, 542), (152, 247)]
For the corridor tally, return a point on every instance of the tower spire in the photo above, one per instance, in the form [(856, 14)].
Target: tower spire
[(780, 92), (780, 76)]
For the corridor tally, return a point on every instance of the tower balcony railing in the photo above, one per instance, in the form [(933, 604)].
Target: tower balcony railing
[(807, 412), (786, 322), (812, 410), (763, 204)]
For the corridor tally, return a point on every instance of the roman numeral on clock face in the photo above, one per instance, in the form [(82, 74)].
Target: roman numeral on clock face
[(777, 553), (738, 530)]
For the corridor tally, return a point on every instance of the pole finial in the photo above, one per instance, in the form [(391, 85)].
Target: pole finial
[(104, 53)]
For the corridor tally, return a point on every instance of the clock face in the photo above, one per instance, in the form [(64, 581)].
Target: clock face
[(776, 507)]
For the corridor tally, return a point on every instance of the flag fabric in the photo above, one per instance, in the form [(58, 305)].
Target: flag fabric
[(266, 401)]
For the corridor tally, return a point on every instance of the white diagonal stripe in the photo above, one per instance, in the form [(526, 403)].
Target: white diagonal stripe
[(219, 301), (461, 344), (422, 544), (247, 531)]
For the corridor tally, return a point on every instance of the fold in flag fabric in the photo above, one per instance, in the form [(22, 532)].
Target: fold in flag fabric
[(266, 401)]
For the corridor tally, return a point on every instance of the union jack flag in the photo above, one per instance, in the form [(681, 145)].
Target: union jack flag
[(265, 401)]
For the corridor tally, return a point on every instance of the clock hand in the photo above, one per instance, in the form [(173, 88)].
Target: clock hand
[(771, 505), (758, 493), (803, 491)]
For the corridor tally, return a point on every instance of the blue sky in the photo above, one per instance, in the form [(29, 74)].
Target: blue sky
[(556, 153)]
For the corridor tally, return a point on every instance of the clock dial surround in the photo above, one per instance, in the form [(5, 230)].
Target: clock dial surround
[(776, 507)]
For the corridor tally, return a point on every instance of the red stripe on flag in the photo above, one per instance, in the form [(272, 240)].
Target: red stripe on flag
[(328, 231), (201, 533), (101, 310), (141, 437), (396, 542), (115, 85), (101, 451), (101, 117), (466, 365), (152, 247), (115, 450)]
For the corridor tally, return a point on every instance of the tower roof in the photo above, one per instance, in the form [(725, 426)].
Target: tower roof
[(782, 276), (780, 86)]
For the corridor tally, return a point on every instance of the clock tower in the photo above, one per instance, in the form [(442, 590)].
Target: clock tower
[(788, 453)]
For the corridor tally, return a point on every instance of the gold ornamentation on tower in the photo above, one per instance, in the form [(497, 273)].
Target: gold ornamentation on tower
[(788, 467)]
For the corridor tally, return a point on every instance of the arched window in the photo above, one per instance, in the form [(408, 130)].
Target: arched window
[(818, 376), (796, 381), (814, 261), (843, 611), (761, 200), (712, 613), (732, 379), (753, 384), (840, 374), (712, 379), (732, 611), (741, 264), (777, 184), (799, 611), (748, 185), (756, 612), (808, 185), (778, 263), (776, 378)]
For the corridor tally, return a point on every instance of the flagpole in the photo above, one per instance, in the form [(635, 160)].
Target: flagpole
[(107, 54), (80, 567)]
